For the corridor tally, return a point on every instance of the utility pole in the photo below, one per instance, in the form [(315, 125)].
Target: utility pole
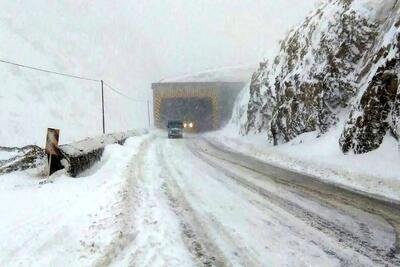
[(148, 112), (102, 105)]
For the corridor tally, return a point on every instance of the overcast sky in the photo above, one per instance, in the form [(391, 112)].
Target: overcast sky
[(185, 36), (133, 43)]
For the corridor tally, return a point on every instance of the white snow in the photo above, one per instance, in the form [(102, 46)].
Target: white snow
[(228, 74), (129, 44), (247, 230), (155, 202), (133, 206), (32, 101), (69, 222), (156, 229), (5, 155), (375, 173), (90, 144), (376, 9)]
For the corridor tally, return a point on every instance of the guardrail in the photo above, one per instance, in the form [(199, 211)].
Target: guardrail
[(74, 158)]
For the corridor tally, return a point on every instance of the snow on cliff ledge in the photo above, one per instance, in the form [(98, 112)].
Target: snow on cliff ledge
[(340, 64)]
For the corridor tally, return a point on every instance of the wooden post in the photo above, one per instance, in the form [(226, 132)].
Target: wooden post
[(52, 145), (102, 106), (148, 112), (48, 174)]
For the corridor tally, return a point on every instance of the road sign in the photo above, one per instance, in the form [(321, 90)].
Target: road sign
[(52, 141)]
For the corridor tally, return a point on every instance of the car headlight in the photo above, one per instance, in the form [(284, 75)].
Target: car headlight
[(191, 125), (185, 125)]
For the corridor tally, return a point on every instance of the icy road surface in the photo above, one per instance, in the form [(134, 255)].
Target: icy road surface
[(186, 202), (197, 204)]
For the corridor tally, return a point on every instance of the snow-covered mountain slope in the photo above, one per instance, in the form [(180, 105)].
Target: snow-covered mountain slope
[(31, 101), (341, 58)]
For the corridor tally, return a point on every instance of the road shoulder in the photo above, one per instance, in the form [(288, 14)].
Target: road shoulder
[(382, 185)]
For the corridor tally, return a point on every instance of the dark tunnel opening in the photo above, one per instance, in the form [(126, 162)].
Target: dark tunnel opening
[(198, 110)]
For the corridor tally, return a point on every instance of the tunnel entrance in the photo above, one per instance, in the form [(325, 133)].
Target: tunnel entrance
[(209, 104), (198, 110)]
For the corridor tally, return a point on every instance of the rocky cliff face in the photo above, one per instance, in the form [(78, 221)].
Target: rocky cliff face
[(376, 110), (343, 57)]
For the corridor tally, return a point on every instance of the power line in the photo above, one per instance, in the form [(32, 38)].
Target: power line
[(70, 76), (49, 71), (122, 94), (81, 78)]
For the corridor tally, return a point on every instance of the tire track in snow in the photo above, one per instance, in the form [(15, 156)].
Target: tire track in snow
[(230, 246), (156, 229), (196, 238), (377, 255), (127, 234), (322, 191)]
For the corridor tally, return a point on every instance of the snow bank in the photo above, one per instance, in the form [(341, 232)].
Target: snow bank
[(82, 218), (375, 173)]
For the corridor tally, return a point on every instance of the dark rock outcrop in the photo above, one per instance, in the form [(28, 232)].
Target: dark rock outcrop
[(312, 77), (377, 111), (342, 59), (24, 158), (257, 118)]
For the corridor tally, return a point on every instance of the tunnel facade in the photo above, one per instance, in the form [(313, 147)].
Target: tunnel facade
[(208, 104)]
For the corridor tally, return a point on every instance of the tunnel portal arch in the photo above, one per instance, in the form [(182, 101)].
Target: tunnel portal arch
[(217, 96)]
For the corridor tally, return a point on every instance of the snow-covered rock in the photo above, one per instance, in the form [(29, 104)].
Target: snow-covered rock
[(376, 109), (19, 159), (332, 63)]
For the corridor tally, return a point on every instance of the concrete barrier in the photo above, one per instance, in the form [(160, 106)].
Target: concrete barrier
[(75, 157), (80, 156)]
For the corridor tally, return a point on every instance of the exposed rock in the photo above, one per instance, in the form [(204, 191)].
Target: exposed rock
[(24, 158), (342, 59), (257, 118), (377, 110), (312, 77)]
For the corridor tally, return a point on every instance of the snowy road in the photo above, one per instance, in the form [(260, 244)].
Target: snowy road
[(189, 202), (199, 204)]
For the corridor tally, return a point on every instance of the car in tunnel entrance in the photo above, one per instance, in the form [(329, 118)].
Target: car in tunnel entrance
[(190, 126), (175, 129)]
